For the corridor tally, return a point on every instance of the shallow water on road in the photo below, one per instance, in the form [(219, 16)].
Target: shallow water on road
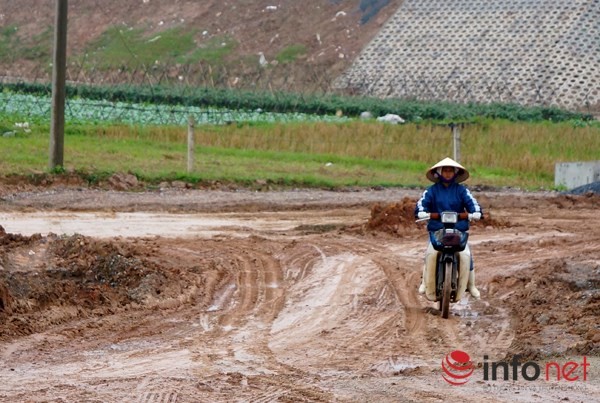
[(102, 225)]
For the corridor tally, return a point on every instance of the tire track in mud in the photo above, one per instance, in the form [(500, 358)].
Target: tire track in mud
[(403, 287), (242, 309), (244, 292), (401, 265), (363, 314), (257, 286), (339, 315), (379, 318), (425, 334), (318, 306), (332, 316), (245, 326)]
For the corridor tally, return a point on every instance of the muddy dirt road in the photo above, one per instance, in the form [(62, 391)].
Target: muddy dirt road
[(189, 296)]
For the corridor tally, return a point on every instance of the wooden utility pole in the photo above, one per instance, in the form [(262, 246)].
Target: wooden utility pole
[(59, 67), (456, 141)]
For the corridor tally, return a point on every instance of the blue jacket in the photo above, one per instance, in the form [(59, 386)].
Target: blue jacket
[(455, 197)]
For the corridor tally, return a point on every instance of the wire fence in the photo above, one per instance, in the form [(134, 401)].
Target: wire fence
[(182, 101), (298, 77), (185, 80), (86, 110), (182, 81)]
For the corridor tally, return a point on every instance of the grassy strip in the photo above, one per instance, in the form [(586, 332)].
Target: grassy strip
[(498, 153)]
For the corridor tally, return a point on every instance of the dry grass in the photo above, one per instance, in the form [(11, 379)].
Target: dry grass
[(520, 147), (361, 153)]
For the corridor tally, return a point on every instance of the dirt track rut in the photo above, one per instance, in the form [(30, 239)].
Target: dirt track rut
[(318, 309)]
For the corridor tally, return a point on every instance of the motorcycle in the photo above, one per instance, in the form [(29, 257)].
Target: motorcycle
[(452, 262)]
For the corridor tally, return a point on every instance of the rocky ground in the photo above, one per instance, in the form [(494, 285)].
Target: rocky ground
[(299, 295)]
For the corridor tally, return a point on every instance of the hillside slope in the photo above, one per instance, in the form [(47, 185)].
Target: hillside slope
[(305, 44)]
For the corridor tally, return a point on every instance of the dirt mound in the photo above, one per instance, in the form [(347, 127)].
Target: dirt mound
[(50, 280), (399, 218), (15, 239), (490, 220), (548, 298), (394, 218), (583, 200)]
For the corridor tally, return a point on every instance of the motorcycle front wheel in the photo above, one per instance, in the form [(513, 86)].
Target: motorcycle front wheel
[(446, 290)]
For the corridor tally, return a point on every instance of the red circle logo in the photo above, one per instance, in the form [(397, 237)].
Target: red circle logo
[(457, 367)]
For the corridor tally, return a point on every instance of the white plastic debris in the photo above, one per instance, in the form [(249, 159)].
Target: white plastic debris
[(262, 60), (24, 126), (390, 118)]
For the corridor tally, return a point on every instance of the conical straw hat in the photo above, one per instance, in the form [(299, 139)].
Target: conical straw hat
[(461, 175)]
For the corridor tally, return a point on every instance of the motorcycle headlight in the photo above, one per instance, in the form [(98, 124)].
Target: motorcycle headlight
[(449, 217)]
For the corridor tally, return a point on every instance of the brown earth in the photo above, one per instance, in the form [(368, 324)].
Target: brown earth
[(333, 32), (194, 295)]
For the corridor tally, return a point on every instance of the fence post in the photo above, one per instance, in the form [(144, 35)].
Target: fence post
[(456, 141), (190, 144)]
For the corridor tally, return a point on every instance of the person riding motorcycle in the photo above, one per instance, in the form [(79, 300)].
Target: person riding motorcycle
[(447, 194)]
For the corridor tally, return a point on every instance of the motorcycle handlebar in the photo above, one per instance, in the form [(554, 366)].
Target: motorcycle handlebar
[(437, 216), (461, 216)]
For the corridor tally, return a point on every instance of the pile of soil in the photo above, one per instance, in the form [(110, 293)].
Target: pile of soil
[(49, 280), (393, 218), (548, 298), (399, 218)]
